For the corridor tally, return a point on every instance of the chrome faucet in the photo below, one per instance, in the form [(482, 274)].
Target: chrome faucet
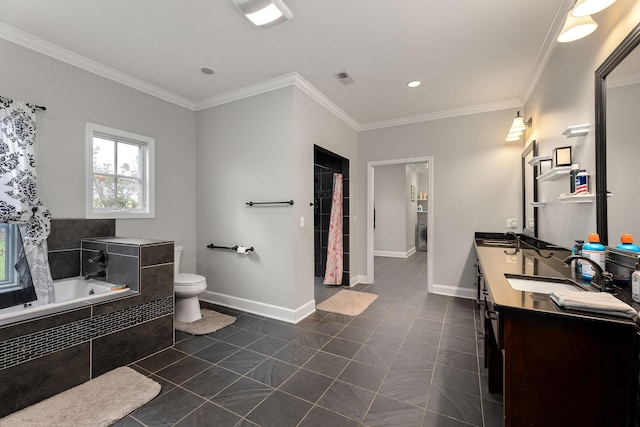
[(101, 259), (516, 238), (602, 280), (95, 275)]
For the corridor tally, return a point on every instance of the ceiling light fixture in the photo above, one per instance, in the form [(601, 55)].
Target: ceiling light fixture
[(517, 128), (264, 13), (589, 7), (576, 28), (207, 70), (414, 83)]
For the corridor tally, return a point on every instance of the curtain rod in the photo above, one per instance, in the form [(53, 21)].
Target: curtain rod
[(37, 107)]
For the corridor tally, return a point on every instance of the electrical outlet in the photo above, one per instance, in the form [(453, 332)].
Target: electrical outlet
[(301, 221), (512, 223)]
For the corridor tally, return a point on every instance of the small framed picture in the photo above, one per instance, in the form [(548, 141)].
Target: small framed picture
[(545, 166), (413, 193), (562, 156)]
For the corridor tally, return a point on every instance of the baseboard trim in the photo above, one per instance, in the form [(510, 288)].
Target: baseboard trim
[(454, 291), (358, 279), (257, 307), (391, 254)]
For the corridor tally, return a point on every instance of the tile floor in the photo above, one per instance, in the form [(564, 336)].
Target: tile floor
[(410, 359)]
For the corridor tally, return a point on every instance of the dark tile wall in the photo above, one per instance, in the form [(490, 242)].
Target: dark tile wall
[(44, 356), (325, 165)]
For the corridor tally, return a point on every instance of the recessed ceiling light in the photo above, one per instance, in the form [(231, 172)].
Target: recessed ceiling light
[(207, 70), (414, 83)]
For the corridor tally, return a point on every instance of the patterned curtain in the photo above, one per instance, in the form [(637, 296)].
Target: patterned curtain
[(333, 272), (19, 203)]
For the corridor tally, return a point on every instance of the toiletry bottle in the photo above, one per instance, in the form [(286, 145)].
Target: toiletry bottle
[(577, 250), (635, 282), (572, 177), (594, 250), (626, 244), (419, 208), (582, 182)]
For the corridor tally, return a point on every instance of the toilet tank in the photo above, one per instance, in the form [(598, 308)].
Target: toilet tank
[(177, 253)]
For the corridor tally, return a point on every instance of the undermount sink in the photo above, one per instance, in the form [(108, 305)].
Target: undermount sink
[(497, 243), (542, 285)]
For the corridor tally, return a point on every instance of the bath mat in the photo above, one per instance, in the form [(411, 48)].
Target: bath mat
[(346, 302), (99, 402), (211, 321)]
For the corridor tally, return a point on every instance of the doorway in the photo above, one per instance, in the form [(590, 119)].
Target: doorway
[(427, 206), (325, 164)]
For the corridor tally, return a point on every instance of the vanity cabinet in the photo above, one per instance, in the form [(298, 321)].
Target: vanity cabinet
[(553, 367)]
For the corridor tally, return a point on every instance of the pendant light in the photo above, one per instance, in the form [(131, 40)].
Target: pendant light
[(589, 7), (576, 28)]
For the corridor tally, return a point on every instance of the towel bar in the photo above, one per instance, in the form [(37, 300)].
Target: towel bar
[(288, 202)]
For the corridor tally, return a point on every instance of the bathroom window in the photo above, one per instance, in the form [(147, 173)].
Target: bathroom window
[(119, 174), (8, 255)]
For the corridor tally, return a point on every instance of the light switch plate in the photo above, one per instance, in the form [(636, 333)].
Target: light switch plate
[(512, 223)]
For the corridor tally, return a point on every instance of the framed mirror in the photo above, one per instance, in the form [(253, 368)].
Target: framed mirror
[(616, 82), (529, 191)]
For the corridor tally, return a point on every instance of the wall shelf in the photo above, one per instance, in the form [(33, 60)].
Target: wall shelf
[(537, 159), (577, 198), (555, 173)]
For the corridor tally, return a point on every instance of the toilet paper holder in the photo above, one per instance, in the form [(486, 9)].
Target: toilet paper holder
[(239, 249)]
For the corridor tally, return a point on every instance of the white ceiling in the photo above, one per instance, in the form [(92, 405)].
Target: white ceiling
[(467, 53)]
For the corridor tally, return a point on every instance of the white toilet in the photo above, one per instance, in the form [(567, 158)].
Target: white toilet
[(187, 287)]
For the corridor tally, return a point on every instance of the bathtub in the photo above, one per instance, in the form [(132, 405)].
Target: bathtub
[(73, 292)]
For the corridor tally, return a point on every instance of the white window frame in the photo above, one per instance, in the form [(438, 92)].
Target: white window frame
[(11, 257), (148, 175)]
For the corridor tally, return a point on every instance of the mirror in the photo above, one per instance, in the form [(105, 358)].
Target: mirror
[(529, 191), (617, 91)]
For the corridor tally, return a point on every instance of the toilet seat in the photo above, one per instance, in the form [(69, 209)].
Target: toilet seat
[(188, 279)]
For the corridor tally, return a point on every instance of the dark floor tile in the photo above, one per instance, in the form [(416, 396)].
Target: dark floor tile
[(272, 372), (403, 361), (312, 339), (242, 396), (127, 422), (286, 332), (242, 338), (459, 344), (461, 406), (365, 376), (417, 349), (320, 417), (354, 334), (216, 352), (279, 410), (467, 331), (456, 379), (342, 347), (347, 399), (484, 390), (194, 344), (327, 328), (243, 361), (386, 412), (168, 408), (326, 364), (384, 341), (457, 359), (425, 313), (183, 369), (408, 385), (165, 385), (432, 419), (295, 354), (338, 318), (423, 325), (207, 415), (223, 333), (307, 385), (160, 360), (268, 345), (180, 335), (369, 324), (493, 413), (375, 356), (426, 337), (210, 382), (245, 320), (392, 329)]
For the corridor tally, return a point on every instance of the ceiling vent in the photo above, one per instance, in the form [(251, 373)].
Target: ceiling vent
[(345, 77)]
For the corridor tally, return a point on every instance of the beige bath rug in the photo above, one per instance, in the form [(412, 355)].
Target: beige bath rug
[(99, 402), (211, 321), (346, 302)]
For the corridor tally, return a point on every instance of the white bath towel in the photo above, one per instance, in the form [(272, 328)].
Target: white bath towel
[(596, 302)]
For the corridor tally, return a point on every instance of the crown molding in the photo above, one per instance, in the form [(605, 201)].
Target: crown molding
[(546, 50), (445, 114), (291, 79), (628, 80), (46, 48)]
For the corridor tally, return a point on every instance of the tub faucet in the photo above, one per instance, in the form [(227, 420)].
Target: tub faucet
[(101, 259), (516, 238), (95, 275), (602, 280)]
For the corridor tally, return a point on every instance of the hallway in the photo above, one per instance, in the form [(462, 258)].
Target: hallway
[(410, 359)]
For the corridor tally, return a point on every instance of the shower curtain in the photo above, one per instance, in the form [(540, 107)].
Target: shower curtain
[(19, 203), (333, 272)]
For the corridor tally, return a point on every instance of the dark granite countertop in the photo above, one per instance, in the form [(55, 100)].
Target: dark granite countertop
[(535, 258), (134, 241)]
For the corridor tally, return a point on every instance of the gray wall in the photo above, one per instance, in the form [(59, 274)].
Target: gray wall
[(476, 184), (73, 97), (411, 208), (261, 149), (564, 96)]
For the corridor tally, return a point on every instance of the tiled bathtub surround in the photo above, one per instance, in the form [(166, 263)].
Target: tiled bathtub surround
[(47, 355)]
